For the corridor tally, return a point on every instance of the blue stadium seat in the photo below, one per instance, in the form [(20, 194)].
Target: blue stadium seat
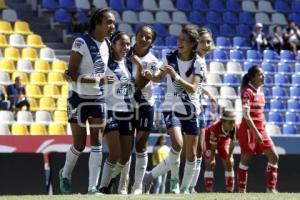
[(183, 5), (269, 81), (296, 79), (117, 5), (236, 56), (231, 79), (295, 6), (269, 68), (275, 117), (134, 5), (227, 30), (295, 17), (290, 129), (243, 30), (253, 56), (200, 5), (287, 56), (50, 4), (82, 16), (279, 92), (285, 68), (297, 67), (295, 92), (282, 80), (233, 6), (230, 18), (292, 118), (217, 5), (158, 92), (270, 56), (241, 43), (267, 92), (293, 105), (277, 105), (246, 18), (62, 16), (214, 29), (196, 17), (161, 30), (248, 65), (223, 42), (213, 18), (219, 55), (159, 41), (282, 6), (171, 40), (67, 5)]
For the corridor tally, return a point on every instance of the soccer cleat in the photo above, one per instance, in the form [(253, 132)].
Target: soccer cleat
[(192, 190), (104, 190), (272, 190), (65, 185), (147, 182), (94, 191), (184, 191), (174, 186), (123, 185), (136, 191), (242, 190)]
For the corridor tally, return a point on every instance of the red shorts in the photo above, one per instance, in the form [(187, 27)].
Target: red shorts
[(248, 142), (222, 148)]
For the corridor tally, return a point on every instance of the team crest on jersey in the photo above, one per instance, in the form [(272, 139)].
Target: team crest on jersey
[(78, 44)]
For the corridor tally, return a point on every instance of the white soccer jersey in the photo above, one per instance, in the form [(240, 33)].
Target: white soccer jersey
[(151, 63), (203, 73), (176, 96), (119, 95), (86, 65)]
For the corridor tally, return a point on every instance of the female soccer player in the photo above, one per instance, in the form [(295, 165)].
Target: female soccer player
[(252, 135), (87, 65), (119, 130), (181, 109), (220, 137)]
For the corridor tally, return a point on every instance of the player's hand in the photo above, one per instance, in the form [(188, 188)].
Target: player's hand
[(109, 79), (170, 70), (136, 60), (66, 76), (259, 138), (147, 74)]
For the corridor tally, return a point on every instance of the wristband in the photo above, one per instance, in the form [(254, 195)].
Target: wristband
[(177, 77)]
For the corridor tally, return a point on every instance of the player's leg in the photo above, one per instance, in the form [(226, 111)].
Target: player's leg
[(243, 171), (229, 173), (272, 168), (209, 171), (124, 178)]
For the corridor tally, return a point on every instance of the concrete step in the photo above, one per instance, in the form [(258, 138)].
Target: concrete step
[(58, 45)]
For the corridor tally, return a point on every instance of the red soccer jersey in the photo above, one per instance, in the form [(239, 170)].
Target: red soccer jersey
[(255, 100)]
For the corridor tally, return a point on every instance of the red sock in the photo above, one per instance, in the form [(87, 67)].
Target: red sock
[(242, 179), (209, 183), (229, 183), (272, 174)]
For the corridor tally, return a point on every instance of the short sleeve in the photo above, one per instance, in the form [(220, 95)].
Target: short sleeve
[(79, 46), (200, 69), (246, 99)]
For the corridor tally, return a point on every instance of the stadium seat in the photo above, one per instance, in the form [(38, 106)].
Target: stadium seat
[(117, 5), (295, 6), (130, 17), (56, 78), (220, 56), (24, 117), (267, 93), (35, 41), (196, 17), (290, 129), (85, 5), (236, 56), (150, 5), (5, 27), (223, 42), (295, 92), (126, 28), (62, 103), (166, 5), (171, 40), (47, 103), (216, 67), (33, 91), (38, 129), (33, 104), (273, 129), (216, 5), (253, 56), (24, 66), (265, 6), (23, 76), (7, 117), (7, 65), (277, 105), (282, 6), (213, 91), (241, 43), (61, 117), (287, 56), (3, 41), (213, 18), (43, 117), (233, 6), (146, 17), (159, 41), (227, 92), (234, 67), (51, 91), (296, 79), (285, 68), (2, 4), (12, 53), (263, 18), (179, 17), (19, 129), (230, 18), (200, 5), (297, 67), (279, 92), (68, 5), (246, 18), (83, 17), (9, 15), (38, 78), (175, 29), (292, 118), (227, 30), (61, 16), (161, 30), (295, 17), (17, 40), (231, 79), (47, 54), (65, 90), (4, 129), (183, 5), (248, 6), (269, 80), (56, 129), (269, 68), (50, 4), (243, 30), (278, 18), (214, 79), (276, 118), (42, 66), (59, 66), (225, 103), (4, 78), (293, 105), (282, 80), (29, 54), (163, 17), (270, 56)]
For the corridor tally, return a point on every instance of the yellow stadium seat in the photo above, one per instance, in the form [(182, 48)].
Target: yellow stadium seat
[(51, 91), (65, 90), (5, 27), (47, 103), (29, 54), (19, 129), (60, 116), (56, 129), (59, 66), (35, 41), (12, 53), (22, 27), (7, 65), (33, 104), (23, 76), (42, 66), (56, 78), (33, 91), (2, 4), (38, 78), (3, 41), (62, 103), (38, 129)]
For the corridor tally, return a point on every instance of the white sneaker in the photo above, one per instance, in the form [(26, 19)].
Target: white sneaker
[(123, 185), (174, 186), (272, 190), (136, 191)]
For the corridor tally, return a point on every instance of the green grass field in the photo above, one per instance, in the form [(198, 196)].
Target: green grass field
[(201, 196)]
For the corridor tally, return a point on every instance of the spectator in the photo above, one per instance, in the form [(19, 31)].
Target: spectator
[(161, 151), (17, 95), (4, 104), (76, 26), (258, 39), (276, 39), (291, 35)]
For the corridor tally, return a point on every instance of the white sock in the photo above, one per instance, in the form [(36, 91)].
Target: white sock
[(124, 176), (71, 160), (95, 162), (189, 170), (141, 162), (107, 171), (117, 170), (160, 169), (208, 174), (197, 172), (174, 158)]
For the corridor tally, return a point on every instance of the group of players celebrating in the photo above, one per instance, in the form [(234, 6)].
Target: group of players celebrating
[(111, 89)]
